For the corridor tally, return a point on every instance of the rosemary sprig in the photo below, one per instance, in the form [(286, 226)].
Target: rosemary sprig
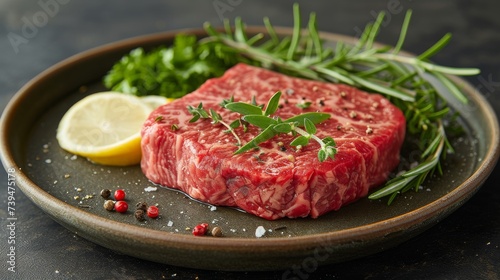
[(271, 126), (414, 177), (414, 84)]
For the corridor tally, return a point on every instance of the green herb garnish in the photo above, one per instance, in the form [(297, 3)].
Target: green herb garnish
[(271, 126), (414, 84), (171, 72), (200, 113)]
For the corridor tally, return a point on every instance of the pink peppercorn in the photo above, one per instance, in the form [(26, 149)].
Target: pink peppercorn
[(120, 194), (153, 211), (121, 206), (200, 229)]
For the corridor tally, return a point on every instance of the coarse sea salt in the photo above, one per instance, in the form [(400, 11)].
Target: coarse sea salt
[(260, 231), (150, 189)]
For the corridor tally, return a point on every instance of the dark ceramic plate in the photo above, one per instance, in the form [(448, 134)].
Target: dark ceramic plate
[(67, 188)]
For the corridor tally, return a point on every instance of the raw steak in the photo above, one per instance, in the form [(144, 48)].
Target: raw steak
[(275, 181)]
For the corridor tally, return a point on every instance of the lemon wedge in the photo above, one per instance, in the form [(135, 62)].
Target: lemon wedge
[(105, 127)]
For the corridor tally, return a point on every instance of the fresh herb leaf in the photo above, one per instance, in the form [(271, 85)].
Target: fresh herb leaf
[(265, 135), (314, 117), (304, 104), (243, 108), (271, 126), (284, 127), (300, 141), (259, 120), (309, 126), (273, 104), (171, 72)]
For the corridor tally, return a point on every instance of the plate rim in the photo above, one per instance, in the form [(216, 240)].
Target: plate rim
[(52, 205)]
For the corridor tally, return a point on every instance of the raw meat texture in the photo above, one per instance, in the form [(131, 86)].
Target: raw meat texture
[(274, 182)]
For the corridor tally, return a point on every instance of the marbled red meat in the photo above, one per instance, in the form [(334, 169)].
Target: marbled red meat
[(197, 158)]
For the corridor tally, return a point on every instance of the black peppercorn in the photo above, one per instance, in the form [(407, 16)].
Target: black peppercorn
[(105, 193), (139, 215), (141, 206)]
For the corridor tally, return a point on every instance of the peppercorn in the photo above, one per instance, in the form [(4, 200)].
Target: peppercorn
[(105, 193), (139, 215), (153, 211), (121, 206), (200, 230), (141, 206), (217, 232), (119, 194), (109, 205)]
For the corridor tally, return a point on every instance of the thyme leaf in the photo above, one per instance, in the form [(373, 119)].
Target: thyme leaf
[(271, 126)]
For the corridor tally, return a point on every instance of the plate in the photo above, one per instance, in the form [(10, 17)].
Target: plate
[(67, 187)]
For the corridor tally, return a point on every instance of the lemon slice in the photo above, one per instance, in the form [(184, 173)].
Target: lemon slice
[(105, 128)]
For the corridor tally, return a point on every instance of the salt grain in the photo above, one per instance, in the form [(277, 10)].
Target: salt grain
[(260, 231), (150, 189), (170, 223)]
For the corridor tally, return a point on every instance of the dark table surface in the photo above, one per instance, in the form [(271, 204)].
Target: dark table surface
[(463, 246)]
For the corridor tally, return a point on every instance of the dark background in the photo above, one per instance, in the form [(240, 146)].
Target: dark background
[(463, 246)]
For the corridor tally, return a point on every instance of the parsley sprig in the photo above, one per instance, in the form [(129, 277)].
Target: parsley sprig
[(169, 71), (270, 126)]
